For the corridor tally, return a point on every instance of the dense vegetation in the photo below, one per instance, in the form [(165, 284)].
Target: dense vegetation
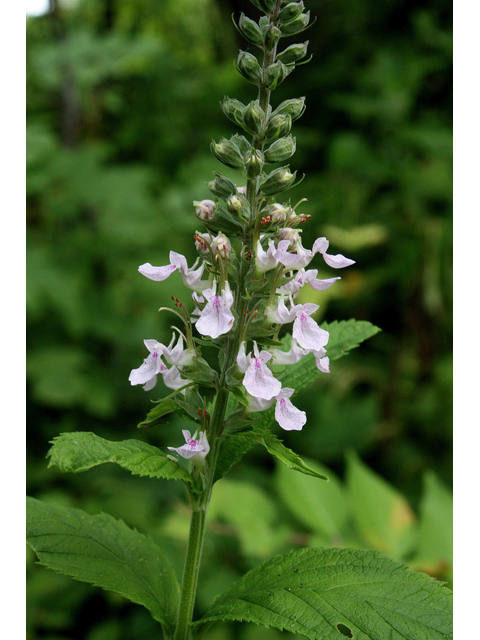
[(122, 103)]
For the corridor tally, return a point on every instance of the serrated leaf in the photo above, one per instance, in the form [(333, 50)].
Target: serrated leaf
[(320, 506), (106, 553), (326, 593), (82, 450), (382, 515), (170, 404), (276, 448)]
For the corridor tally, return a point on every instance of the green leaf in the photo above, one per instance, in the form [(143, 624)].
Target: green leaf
[(167, 405), (82, 450), (435, 535), (320, 506), (382, 515), (253, 515), (276, 448), (326, 593), (232, 450), (106, 553)]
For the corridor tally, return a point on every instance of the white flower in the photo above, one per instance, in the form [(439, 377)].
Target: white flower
[(216, 317), (294, 355), (306, 331), (195, 449), (337, 262), (288, 417), (147, 373), (302, 278), (191, 277), (265, 260), (177, 355), (258, 379)]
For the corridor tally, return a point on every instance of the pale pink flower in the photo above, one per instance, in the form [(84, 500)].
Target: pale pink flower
[(337, 262), (195, 449), (258, 379), (147, 373), (302, 278), (191, 277), (216, 318), (306, 331), (288, 417), (292, 356)]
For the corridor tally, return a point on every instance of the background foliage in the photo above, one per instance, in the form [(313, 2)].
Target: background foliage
[(122, 103)]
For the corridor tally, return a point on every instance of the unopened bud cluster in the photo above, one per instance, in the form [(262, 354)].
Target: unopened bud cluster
[(251, 262)]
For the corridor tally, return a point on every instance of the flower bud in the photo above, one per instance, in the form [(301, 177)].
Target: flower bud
[(254, 162), (221, 187), (253, 116), (234, 204), (227, 152), (205, 209), (275, 74), (276, 212), (242, 191), (293, 53), (278, 180), (250, 30), (278, 126), (295, 26), (221, 245), (248, 66), (202, 242), (280, 150), (293, 108), (291, 11), (271, 37), (233, 109)]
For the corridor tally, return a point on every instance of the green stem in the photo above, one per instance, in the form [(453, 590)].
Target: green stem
[(190, 574), (198, 520)]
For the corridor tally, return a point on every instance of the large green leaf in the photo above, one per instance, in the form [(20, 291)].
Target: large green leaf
[(320, 506), (382, 515), (325, 594), (82, 450), (106, 553)]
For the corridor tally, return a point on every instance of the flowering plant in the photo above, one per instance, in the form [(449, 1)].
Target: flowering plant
[(250, 268)]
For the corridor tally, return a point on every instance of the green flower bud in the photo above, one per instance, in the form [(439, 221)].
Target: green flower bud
[(275, 74), (253, 116), (291, 11), (248, 66), (293, 53), (221, 186), (281, 150), (293, 108), (278, 126), (250, 30), (227, 152), (278, 180), (233, 109), (254, 162), (235, 204), (297, 25), (264, 5), (271, 36), (242, 143)]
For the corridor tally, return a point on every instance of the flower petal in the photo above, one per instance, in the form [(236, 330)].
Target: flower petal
[(260, 382), (156, 273), (288, 416), (338, 261)]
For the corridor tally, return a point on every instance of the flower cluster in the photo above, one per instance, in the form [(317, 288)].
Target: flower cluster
[(213, 317), (251, 261)]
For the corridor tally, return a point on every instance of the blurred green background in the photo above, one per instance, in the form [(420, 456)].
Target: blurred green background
[(122, 103)]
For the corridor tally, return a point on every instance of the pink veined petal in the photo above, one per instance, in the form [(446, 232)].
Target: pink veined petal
[(260, 382), (338, 261), (156, 273), (323, 364), (258, 404), (216, 318), (287, 415), (194, 448), (294, 355), (243, 360), (150, 384), (265, 260), (179, 262), (172, 378), (147, 370), (308, 334), (321, 285), (320, 245)]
